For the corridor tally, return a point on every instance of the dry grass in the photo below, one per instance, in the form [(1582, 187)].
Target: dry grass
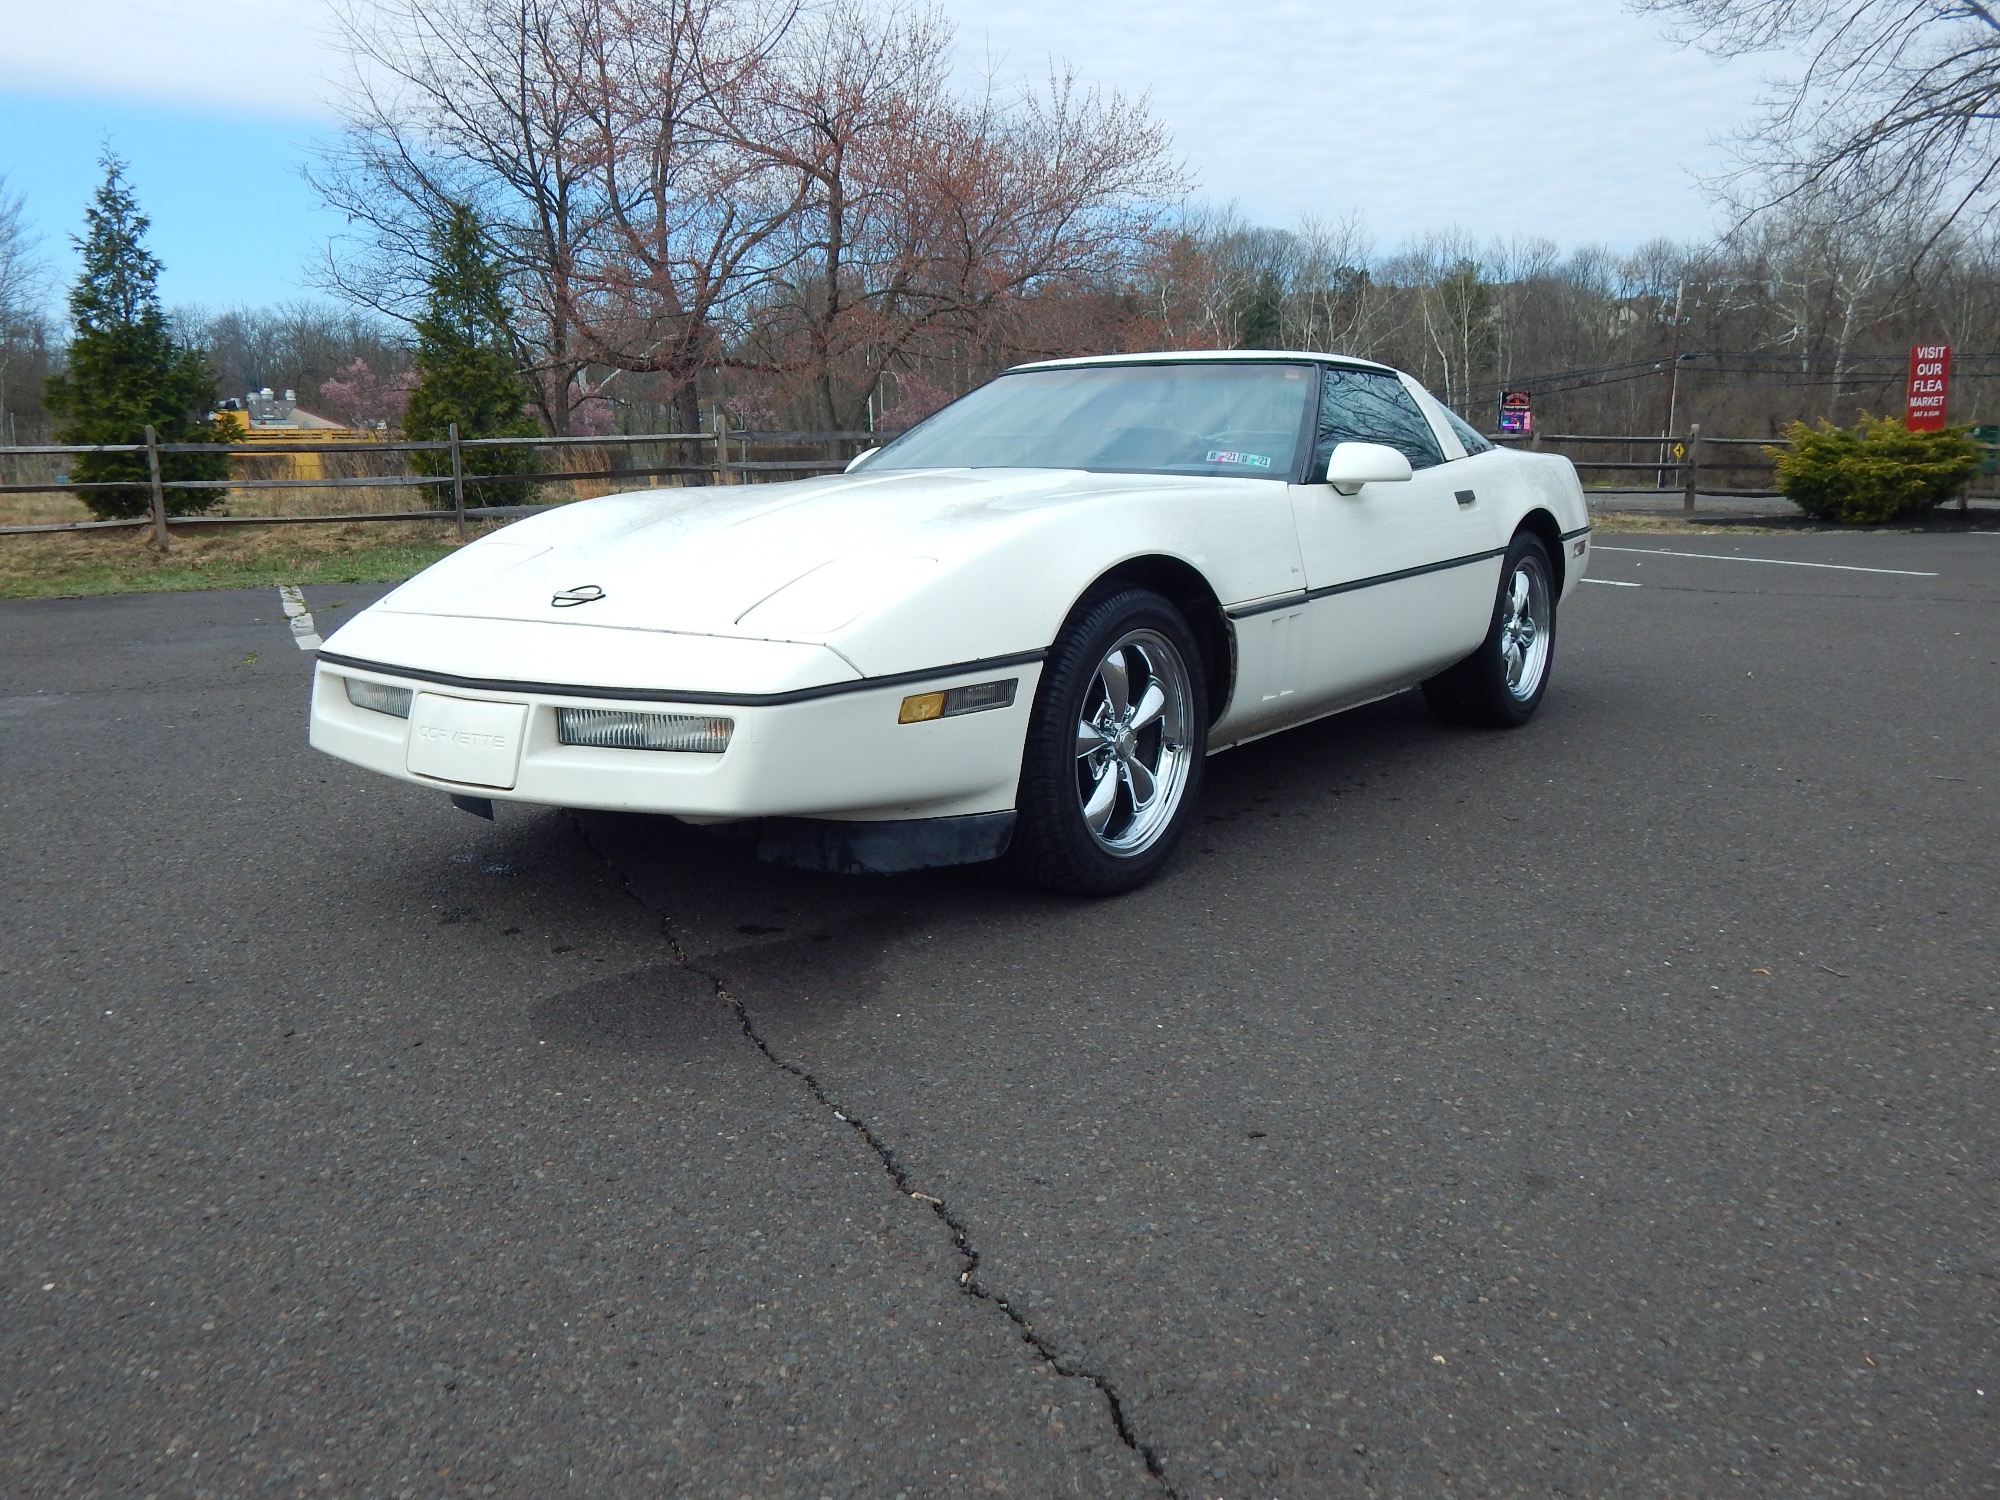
[(99, 562), (41, 510), (1946, 521), (328, 500), (103, 562), (119, 562), (1627, 520)]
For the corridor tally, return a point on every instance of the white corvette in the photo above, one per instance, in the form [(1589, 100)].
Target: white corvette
[(1015, 631)]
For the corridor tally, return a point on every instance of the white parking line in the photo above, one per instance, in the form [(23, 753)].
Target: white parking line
[(294, 604), (1613, 583), (1776, 562)]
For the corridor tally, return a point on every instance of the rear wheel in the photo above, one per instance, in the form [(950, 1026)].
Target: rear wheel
[(1114, 752), (1501, 684)]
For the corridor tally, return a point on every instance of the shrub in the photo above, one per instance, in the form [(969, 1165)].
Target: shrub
[(1872, 472)]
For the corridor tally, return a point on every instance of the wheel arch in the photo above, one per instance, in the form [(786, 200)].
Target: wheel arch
[(1545, 526), (1183, 584)]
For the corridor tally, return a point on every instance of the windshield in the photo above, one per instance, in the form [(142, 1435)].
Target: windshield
[(1235, 419)]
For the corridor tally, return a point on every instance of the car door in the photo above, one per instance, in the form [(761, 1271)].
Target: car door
[(1400, 576)]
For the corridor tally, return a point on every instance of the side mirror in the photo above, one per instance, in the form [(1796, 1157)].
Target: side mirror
[(1355, 464), (859, 459)]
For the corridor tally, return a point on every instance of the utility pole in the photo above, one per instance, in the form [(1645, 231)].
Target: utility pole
[(1673, 385)]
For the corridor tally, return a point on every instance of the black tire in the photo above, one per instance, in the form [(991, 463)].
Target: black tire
[(1487, 689), (1065, 838)]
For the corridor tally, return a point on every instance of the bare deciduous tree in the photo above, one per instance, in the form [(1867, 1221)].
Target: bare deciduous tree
[(857, 112), (694, 205), (933, 220), (297, 345), (23, 322), (1336, 301), (699, 185), (1808, 311), (476, 102), (22, 275), (1834, 269), (787, 206), (593, 140), (1897, 100)]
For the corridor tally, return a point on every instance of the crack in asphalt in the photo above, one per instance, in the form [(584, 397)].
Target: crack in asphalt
[(968, 1276)]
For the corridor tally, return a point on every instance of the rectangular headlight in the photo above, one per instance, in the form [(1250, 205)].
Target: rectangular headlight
[(920, 708), (626, 729), (379, 696)]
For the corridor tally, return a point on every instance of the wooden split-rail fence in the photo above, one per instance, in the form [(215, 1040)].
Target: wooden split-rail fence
[(1689, 462)]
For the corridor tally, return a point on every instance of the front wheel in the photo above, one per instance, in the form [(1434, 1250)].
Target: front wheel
[(1114, 750), (1501, 684)]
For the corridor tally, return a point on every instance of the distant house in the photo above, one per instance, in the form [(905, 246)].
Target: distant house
[(266, 418), (269, 412), (265, 413)]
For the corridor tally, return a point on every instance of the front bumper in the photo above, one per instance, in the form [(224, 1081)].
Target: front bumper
[(842, 757)]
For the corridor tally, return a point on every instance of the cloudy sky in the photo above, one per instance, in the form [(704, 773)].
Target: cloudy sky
[(1565, 118)]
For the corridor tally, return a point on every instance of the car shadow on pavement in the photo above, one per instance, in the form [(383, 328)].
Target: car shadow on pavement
[(808, 946), (660, 1008)]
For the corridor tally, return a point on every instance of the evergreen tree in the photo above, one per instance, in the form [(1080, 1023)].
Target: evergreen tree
[(126, 370), (1260, 312), (465, 364)]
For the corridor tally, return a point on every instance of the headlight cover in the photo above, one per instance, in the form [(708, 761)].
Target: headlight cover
[(628, 729), (379, 696)]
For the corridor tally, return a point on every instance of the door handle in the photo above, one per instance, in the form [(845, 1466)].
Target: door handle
[(1465, 497)]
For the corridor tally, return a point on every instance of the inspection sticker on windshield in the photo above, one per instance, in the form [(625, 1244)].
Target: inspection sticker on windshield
[(1231, 456)]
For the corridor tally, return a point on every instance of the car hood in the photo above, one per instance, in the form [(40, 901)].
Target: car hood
[(791, 561)]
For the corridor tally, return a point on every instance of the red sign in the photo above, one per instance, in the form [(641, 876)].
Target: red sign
[(1517, 411), (1930, 372)]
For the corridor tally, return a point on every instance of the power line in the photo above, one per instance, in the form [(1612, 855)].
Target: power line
[(1778, 369)]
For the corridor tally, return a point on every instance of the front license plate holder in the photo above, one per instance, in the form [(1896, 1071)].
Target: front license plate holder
[(467, 740)]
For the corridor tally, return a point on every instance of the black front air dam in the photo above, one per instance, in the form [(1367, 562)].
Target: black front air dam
[(883, 848)]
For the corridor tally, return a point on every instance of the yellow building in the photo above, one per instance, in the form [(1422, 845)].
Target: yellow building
[(265, 419)]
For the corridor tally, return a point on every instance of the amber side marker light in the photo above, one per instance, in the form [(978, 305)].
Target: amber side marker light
[(922, 707)]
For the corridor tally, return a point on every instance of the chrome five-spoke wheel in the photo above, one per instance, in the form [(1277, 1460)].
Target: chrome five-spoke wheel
[(1502, 682), (1113, 760), (1524, 628), (1132, 747)]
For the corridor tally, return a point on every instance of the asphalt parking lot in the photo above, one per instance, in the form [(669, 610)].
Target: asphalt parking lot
[(1602, 1108)]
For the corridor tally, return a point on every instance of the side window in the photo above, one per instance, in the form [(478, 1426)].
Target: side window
[(1370, 406), (1474, 440)]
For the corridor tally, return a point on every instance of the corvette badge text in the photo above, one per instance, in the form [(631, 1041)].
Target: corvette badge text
[(461, 737)]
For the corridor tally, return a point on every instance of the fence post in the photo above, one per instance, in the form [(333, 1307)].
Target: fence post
[(722, 447), (457, 481), (1691, 469), (1534, 437), (159, 490)]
